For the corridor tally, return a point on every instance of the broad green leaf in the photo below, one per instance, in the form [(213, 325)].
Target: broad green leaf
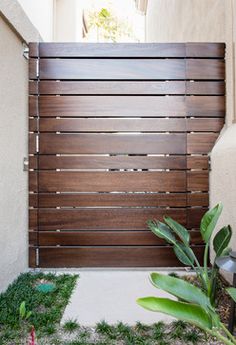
[(232, 292), (178, 229), (191, 313), (180, 288), (184, 254), (222, 239), (209, 221), (162, 230), (22, 310)]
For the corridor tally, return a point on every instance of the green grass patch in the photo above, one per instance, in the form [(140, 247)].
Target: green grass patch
[(46, 308)]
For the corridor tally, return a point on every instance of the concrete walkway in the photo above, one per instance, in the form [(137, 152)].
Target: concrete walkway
[(111, 295)]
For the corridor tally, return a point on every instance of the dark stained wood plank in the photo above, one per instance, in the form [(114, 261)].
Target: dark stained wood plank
[(103, 238), (109, 50), (205, 69), (205, 50), (33, 181), (33, 106), (33, 199), (32, 257), (33, 49), (134, 106), (205, 125), (205, 87), (201, 143), (33, 162), (194, 216), (117, 106), (112, 143), (112, 162), (105, 218), (198, 199), (112, 181), (198, 181), (33, 125), (111, 256), (198, 162), (108, 69), (49, 87), (32, 143), (33, 68), (33, 219), (33, 238), (33, 87), (205, 106), (122, 125), (109, 200)]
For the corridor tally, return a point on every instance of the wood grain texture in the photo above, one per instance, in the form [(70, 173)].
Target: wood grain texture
[(33, 68), (105, 218), (33, 49), (201, 143), (205, 50), (112, 181), (110, 50), (47, 162), (120, 125), (205, 69), (171, 87), (198, 181), (198, 162), (50, 200), (111, 256), (104, 238), (125, 69), (112, 143), (116, 106), (133, 106)]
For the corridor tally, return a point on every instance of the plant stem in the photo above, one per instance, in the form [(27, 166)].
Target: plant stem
[(219, 336), (228, 333), (206, 251)]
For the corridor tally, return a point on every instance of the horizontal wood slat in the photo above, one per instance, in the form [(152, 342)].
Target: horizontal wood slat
[(113, 144), (51, 87), (125, 69), (104, 238), (166, 50), (104, 219), (112, 125), (110, 200), (111, 257), (112, 162), (125, 106), (112, 181), (205, 69), (127, 125), (33, 68), (197, 181), (201, 143)]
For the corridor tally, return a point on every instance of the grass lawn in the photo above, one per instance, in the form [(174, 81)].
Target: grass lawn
[(44, 309)]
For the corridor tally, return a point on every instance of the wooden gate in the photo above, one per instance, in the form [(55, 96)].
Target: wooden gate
[(119, 134)]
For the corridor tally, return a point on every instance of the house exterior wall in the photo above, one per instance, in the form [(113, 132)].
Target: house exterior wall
[(13, 141), (206, 21), (40, 13)]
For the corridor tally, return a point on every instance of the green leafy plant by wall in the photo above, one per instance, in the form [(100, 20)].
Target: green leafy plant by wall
[(178, 236)]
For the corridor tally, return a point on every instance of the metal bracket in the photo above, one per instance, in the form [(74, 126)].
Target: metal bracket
[(25, 51), (37, 256), (25, 164)]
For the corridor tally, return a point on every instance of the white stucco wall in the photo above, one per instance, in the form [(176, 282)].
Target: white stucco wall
[(13, 141), (206, 21)]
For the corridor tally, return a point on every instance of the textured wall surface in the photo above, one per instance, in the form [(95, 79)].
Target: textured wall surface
[(185, 20)]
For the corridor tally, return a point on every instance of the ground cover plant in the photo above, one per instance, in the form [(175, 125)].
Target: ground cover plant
[(23, 306)]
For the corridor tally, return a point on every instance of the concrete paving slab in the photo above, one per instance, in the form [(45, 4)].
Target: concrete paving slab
[(111, 296)]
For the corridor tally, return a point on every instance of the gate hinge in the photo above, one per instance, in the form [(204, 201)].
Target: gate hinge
[(37, 257), (25, 51)]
